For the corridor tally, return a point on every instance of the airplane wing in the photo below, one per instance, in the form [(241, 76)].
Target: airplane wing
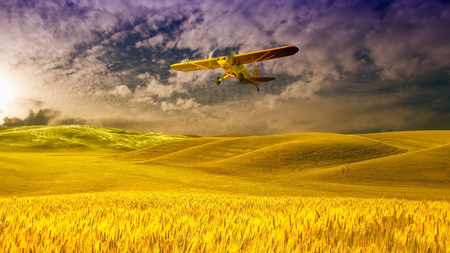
[(252, 57), (196, 65), (264, 55)]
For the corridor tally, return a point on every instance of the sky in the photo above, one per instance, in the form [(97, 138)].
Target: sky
[(362, 66)]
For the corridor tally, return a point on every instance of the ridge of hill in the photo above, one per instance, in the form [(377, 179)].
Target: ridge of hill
[(426, 167), (67, 136), (412, 140)]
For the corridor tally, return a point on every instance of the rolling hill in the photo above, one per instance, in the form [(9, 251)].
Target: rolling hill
[(427, 162), (67, 136), (258, 154), (77, 159)]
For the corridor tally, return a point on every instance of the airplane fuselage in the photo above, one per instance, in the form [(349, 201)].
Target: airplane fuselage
[(232, 68)]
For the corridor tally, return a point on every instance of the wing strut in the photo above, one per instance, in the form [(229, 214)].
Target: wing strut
[(198, 65), (268, 58)]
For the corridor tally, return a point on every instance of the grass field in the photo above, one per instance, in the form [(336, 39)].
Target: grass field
[(46, 170)]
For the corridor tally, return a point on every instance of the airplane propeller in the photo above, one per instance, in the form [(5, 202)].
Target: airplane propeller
[(210, 56), (232, 57)]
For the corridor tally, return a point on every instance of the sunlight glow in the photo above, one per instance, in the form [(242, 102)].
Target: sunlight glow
[(7, 92)]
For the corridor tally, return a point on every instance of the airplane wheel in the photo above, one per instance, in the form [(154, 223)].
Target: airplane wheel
[(241, 77), (217, 80)]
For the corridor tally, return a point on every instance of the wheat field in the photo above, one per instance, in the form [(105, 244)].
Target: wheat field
[(169, 222)]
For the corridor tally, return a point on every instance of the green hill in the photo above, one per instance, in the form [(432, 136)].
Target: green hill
[(76, 159), (80, 135)]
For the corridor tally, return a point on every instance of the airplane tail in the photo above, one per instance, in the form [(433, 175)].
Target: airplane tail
[(258, 79), (256, 72)]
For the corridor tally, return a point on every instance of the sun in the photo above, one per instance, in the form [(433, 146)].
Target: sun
[(7, 93)]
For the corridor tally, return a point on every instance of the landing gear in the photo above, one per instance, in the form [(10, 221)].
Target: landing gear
[(257, 87), (217, 80), (241, 77)]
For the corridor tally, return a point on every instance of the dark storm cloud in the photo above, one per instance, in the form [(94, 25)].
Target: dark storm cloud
[(42, 117), (112, 59)]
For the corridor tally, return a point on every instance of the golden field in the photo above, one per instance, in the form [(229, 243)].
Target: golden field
[(52, 160), (139, 222), (93, 189)]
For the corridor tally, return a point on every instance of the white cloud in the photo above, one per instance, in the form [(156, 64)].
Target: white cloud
[(304, 89), (161, 90), (154, 41), (194, 78), (121, 91), (298, 90), (181, 104), (144, 76)]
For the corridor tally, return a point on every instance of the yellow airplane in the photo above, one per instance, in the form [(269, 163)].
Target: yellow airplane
[(233, 65)]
